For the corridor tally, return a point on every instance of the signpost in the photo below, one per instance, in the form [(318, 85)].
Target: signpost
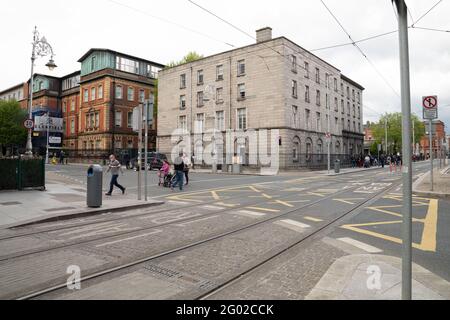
[(28, 124), (430, 112)]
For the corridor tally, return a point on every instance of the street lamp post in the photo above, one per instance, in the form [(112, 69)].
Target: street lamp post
[(48, 133), (41, 48)]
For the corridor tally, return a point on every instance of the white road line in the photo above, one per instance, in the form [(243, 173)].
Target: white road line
[(361, 245), (126, 239), (213, 207), (292, 224), (194, 221), (181, 203), (249, 213)]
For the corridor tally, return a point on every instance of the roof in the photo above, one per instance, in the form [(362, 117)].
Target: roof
[(17, 86), (70, 75), (118, 53), (352, 82)]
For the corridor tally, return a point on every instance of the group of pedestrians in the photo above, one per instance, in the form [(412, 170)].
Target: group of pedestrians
[(182, 165), (371, 161)]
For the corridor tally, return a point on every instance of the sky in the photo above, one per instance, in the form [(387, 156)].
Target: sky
[(163, 31)]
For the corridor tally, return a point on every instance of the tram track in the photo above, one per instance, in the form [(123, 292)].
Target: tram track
[(136, 262)]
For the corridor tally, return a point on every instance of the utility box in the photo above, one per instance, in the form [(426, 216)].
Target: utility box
[(236, 168), (337, 166), (94, 186)]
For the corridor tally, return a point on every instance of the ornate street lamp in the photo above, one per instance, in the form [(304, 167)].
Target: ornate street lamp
[(41, 48)]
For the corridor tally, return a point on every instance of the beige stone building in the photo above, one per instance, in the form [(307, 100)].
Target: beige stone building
[(273, 84)]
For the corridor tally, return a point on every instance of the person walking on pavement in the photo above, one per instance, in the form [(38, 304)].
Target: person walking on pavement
[(187, 165), (114, 167), (61, 157), (179, 171)]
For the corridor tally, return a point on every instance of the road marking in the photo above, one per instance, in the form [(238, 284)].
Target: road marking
[(194, 221), (430, 227), (127, 239), (295, 189), (266, 196), (313, 219), (254, 189), (316, 194), (229, 205), (215, 195), (298, 201), (178, 202), (361, 245), (213, 207), (249, 213), (292, 224), (284, 203), (263, 209), (347, 200)]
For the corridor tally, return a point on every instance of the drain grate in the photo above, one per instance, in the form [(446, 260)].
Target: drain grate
[(161, 271), (59, 209), (10, 203)]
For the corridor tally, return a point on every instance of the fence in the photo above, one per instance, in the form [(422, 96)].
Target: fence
[(19, 174)]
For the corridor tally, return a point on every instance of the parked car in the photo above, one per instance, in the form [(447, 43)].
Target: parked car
[(154, 161)]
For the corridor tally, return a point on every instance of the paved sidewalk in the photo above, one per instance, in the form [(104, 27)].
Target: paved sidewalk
[(376, 277), (59, 201), (441, 184)]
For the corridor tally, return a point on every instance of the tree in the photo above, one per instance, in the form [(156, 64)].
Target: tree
[(12, 132), (190, 57), (394, 131)]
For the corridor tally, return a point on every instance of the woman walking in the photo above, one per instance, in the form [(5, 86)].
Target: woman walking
[(187, 166)]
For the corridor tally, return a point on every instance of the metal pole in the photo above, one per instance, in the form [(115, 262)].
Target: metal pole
[(29, 146), (385, 135), (413, 138), (139, 152), (406, 150), (48, 133), (430, 133), (146, 146)]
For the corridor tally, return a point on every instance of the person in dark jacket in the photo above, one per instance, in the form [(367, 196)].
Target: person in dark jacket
[(179, 172)]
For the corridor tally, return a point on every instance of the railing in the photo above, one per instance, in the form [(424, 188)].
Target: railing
[(19, 174)]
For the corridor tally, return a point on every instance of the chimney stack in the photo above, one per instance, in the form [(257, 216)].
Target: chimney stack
[(264, 34)]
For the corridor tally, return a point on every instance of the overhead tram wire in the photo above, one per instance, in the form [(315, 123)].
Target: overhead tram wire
[(170, 22), (423, 16), (360, 50)]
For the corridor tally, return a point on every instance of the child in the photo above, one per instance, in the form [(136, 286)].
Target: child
[(163, 172)]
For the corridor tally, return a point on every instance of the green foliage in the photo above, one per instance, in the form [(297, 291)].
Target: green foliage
[(394, 131), (190, 57), (12, 116)]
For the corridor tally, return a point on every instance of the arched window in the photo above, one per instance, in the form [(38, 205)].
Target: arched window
[(296, 143), (309, 149)]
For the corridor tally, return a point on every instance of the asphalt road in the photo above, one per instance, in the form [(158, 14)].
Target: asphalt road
[(247, 218)]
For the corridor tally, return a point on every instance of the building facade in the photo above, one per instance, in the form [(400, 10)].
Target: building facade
[(272, 85), (438, 139)]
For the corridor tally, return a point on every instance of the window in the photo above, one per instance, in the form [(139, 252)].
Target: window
[(200, 77), (241, 67), (348, 92), (295, 117), (86, 95), (317, 75), (64, 106), (348, 109), (307, 99), (220, 120), (307, 119), (100, 92), (118, 119), (318, 122), (359, 112), (342, 106), (335, 85), (336, 105), (342, 89), (354, 126), (327, 80), (336, 120), (318, 97), (242, 119), (306, 69), (200, 99), (348, 125), (127, 65), (219, 72), (72, 126), (182, 123), (353, 94), (119, 92), (97, 119), (294, 63), (72, 105), (142, 95), (130, 94), (92, 120), (342, 124), (183, 81), (294, 88), (93, 93), (93, 59), (241, 91), (200, 122), (182, 102), (130, 119), (359, 97), (354, 111), (98, 144), (327, 103), (219, 95)]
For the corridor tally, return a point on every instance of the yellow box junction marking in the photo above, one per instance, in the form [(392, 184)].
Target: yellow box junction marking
[(313, 219), (263, 209), (429, 233), (348, 200)]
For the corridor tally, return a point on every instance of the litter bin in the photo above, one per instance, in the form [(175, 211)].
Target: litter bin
[(94, 186), (337, 166)]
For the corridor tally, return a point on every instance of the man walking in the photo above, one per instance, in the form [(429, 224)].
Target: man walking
[(114, 167), (179, 171)]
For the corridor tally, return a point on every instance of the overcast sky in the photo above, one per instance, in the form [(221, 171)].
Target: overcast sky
[(72, 27)]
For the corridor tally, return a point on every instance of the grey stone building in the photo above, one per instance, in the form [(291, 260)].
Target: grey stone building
[(273, 85)]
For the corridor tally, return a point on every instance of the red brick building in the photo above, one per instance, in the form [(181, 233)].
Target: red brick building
[(438, 131)]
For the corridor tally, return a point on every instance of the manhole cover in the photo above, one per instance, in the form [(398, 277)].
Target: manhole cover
[(11, 203)]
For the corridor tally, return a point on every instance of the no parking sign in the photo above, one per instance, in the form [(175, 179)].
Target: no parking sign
[(430, 107)]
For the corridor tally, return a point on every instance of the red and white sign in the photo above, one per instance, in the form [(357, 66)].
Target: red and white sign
[(28, 124), (430, 107)]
